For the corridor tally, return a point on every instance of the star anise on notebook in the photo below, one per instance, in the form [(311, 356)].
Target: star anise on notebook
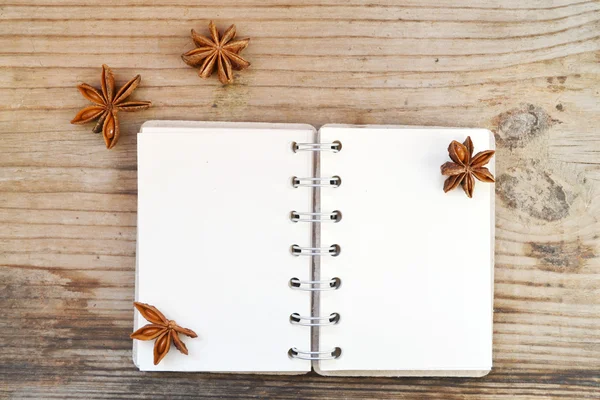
[(466, 167), (221, 52), (107, 105), (161, 329)]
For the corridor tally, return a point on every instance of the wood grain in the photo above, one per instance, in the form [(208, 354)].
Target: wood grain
[(530, 71)]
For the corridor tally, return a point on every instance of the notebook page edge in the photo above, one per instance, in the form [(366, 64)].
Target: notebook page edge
[(174, 124), (475, 373)]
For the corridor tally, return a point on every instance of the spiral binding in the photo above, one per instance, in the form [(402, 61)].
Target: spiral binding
[(333, 181), (333, 146), (297, 319), (333, 250), (334, 216), (321, 286), (315, 355)]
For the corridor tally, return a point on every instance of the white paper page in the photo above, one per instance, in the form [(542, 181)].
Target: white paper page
[(214, 239), (416, 263)]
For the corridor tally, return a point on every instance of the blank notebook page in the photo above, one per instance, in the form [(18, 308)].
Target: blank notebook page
[(415, 263), (214, 239)]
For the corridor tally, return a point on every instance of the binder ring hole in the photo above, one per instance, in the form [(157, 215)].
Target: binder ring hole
[(294, 216), (295, 181), (294, 147), (336, 353), (334, 318), (335, 250), (335, 283), (295, 282), (335, 181), (336, 216), (336, 146), (295, 317), (295, 249)]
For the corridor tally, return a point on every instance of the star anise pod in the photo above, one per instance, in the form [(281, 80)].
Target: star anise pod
[(161, 329), (465, 167), (107, 105), (217, 51)]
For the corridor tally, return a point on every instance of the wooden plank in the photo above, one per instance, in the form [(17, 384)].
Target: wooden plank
[(296, 12), (529, 71)]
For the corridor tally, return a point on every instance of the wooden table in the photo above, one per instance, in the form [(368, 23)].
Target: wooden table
[(528, 70)]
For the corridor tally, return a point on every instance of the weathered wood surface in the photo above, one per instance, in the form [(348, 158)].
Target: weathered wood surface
[(528, 70)]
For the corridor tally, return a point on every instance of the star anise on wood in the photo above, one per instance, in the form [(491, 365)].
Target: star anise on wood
[(466, 167), (161, 329), (107, 105), (221, 52)]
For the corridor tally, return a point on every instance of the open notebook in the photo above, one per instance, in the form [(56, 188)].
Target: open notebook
[(401, 272)]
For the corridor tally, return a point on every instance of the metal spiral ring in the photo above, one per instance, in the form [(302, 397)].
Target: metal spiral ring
[(332, 354), (334, 146), (315, 286), (333, 181), (297, 319), (334, 250), (334, 216)]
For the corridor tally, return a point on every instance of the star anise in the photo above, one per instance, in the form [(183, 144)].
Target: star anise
[(107, 105), (465, 167), (216, 51), (161, 329)]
